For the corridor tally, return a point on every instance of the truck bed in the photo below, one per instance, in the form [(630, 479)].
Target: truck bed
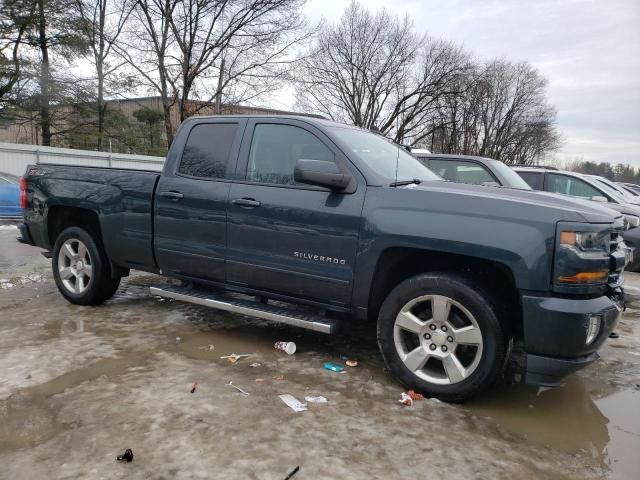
[(122, 199)]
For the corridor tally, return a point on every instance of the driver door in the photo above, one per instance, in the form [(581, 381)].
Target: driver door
[(290, 239)]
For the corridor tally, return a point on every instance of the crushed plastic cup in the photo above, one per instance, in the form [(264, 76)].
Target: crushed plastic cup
[(288, 347), (406, 399)]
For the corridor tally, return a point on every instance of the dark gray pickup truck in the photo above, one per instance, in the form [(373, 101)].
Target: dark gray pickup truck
[(318, 224)]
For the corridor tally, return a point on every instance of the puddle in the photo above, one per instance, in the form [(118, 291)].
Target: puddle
[(29, 417), (607, 428), (623, 452)]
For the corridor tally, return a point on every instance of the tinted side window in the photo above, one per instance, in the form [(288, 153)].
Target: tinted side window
[(206, 152), (571, 186), (275, 149), (534, 179), (461, 171)]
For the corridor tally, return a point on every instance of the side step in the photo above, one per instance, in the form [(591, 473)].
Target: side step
[(245, 307)]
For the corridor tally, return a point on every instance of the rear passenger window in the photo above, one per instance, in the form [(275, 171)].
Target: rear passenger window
[(275, 149), (534, 179), (206, 153), (461, 171)]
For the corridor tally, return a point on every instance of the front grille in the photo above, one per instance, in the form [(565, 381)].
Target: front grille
[(618, 251), (616, 238)]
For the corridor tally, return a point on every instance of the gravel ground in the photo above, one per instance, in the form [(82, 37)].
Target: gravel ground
[(80, 384)]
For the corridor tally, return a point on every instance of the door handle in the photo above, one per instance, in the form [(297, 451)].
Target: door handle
[(172, 195), (246, 202)]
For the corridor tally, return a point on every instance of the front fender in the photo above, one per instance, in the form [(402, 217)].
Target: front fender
[(483, 227)]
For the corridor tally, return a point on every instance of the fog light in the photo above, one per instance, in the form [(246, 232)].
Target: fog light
[(593, 329)]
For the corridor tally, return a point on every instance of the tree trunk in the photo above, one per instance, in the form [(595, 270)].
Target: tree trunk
[(218, 107), (101, 106), (45, 76)]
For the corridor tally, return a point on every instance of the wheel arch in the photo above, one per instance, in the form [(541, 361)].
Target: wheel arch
[(61, 217), (489, 277)]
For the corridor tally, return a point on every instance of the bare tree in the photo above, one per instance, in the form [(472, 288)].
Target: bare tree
[(223, 43), (503, 114), (357, 66), (203, 50), (374, 71), (102, 23), (146, 50)]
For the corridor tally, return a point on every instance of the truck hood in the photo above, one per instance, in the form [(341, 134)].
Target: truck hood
[(565, 208)]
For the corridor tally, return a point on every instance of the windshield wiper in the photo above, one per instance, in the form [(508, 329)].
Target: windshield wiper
[(415, 181)]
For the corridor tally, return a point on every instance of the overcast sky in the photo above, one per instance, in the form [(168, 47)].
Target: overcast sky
[(588, 49)]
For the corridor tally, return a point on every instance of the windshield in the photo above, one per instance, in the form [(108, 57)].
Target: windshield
[(617, 196), (381, 155), (612, 186), (513, 180)]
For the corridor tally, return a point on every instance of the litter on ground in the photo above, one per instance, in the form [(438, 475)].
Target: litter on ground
[(334, 367), (293, 403), (288, 347), (317, 400), (126, 456), (243, 392), (293, 472), (234, 357), (407, 398)]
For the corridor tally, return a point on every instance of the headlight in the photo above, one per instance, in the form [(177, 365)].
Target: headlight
[(582, 258), (586, 241), (632, 221)]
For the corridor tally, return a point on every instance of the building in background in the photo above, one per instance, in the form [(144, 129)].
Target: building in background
[(133, 125)]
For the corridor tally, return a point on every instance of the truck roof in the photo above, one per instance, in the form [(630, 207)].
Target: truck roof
[(322, 122)]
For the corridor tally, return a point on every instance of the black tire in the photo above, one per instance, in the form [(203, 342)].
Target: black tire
[(100, 285), (493, 343)]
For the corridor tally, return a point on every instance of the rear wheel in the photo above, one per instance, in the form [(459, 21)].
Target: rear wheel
[(441, 337), (81, 268)]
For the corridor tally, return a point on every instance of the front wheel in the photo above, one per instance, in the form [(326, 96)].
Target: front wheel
[(440, 336), (81, 268)]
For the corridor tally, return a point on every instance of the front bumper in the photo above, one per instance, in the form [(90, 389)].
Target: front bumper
[(555, 332), (549, 371)]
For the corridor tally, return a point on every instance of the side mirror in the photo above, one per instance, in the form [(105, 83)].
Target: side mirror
[(321, 173), (599, 198)]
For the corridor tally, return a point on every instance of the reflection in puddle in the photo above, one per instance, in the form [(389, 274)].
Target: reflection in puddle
[(623, 411), (566, 418)]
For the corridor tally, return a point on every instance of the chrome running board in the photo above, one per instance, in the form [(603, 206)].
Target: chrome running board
[(246, 307)]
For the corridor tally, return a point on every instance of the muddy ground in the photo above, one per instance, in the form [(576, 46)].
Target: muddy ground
[(79, 384)]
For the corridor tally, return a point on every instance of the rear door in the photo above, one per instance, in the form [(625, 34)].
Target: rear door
[(291, 239), (191, 201)]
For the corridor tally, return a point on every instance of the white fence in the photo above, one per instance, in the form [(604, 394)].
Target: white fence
[(15, 157)]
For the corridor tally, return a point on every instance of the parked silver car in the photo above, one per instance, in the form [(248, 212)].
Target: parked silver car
[(579, 185), (590, 188)]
